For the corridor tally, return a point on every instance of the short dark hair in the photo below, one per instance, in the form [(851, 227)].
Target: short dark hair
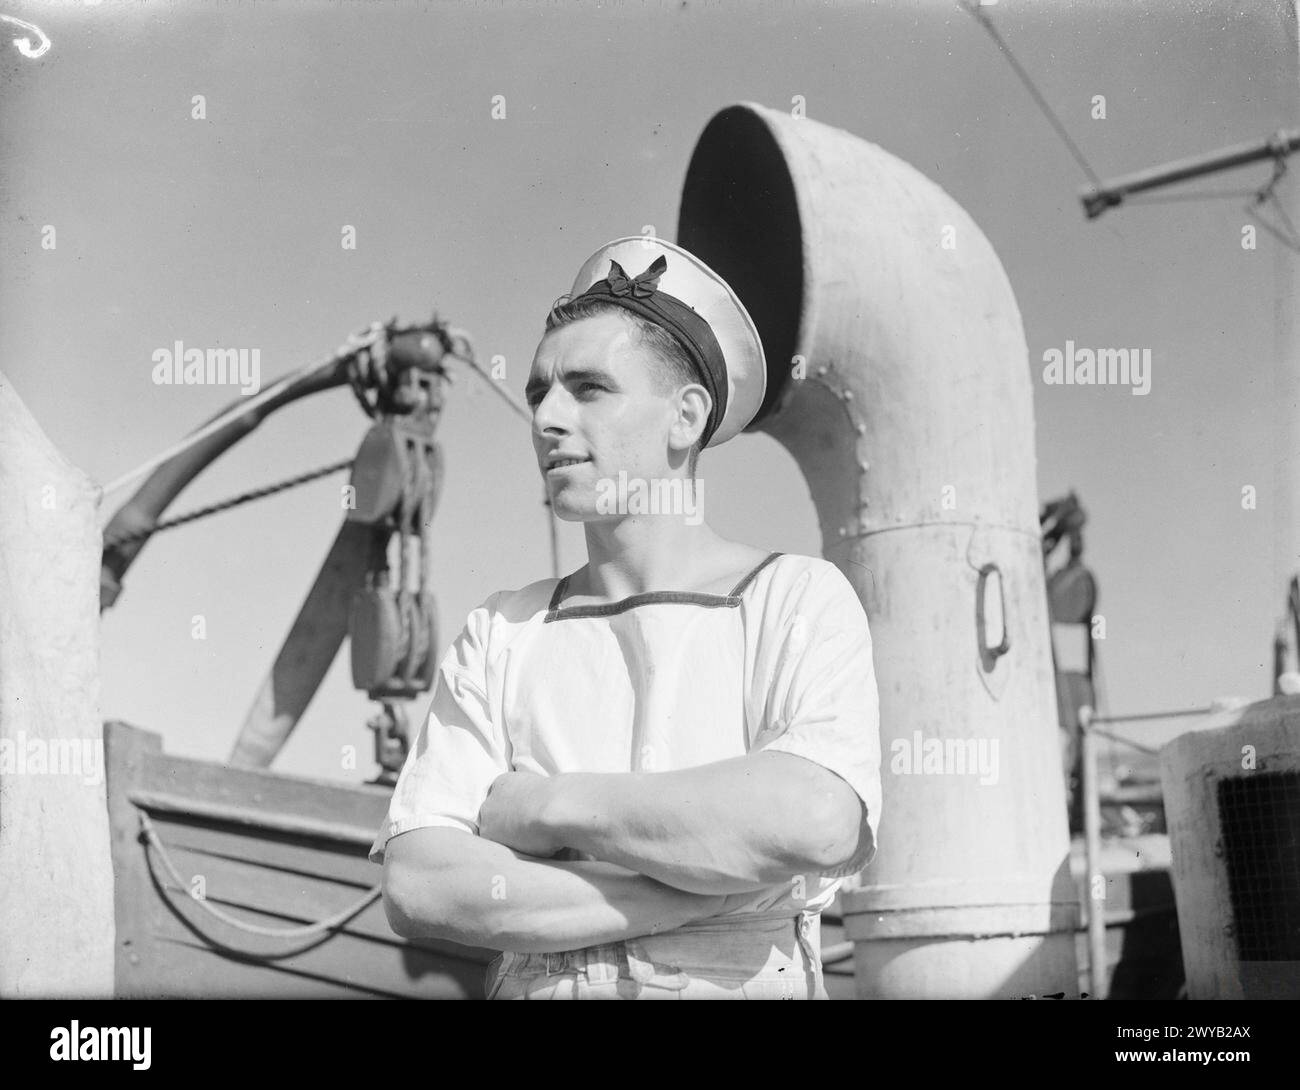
[(675, 369)]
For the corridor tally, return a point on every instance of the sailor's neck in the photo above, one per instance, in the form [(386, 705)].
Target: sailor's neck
[(710, 567)]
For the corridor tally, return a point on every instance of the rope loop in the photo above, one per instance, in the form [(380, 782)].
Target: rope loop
[(149, 836)]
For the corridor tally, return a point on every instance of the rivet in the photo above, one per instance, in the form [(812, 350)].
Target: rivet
[(848, 395), (862, 429)]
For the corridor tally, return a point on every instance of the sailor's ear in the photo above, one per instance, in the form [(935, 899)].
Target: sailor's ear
[(693, 408)]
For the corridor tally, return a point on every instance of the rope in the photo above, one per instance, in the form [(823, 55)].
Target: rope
[(320, 927), (127, 537)]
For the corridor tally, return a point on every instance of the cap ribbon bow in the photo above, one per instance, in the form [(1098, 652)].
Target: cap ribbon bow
[(639, 287)]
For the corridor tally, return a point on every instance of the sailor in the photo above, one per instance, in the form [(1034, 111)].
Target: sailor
[(648, 778)]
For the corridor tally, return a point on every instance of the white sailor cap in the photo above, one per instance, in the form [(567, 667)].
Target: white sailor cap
[(673, 287)]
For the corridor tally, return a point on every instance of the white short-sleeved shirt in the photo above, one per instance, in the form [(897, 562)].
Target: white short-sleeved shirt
[(656, 682)]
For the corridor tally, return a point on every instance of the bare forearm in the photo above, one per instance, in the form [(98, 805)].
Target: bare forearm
[(494, 897), (729, 827)]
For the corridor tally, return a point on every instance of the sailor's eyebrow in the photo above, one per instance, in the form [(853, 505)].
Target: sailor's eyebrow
[(537, 385)]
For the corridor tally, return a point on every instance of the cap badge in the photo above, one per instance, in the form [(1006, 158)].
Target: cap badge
[(639, 287)]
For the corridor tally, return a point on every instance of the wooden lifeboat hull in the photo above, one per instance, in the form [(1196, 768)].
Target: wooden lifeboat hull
[(272, 851)]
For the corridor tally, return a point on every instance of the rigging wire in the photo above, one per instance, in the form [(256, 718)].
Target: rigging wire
[(1123, 741), (354, 344), (1151, 717), (1281, 210), (1144, 717), (470, 358), (972, 8), (224, 505), (1268, 192), (1290, 243)]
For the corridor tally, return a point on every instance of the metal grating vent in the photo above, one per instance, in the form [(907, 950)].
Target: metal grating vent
[(1260, 825)]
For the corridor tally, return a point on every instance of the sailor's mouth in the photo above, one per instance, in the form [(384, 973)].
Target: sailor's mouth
[(567, 463)]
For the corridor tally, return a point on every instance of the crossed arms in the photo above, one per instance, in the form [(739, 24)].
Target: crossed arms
[(665, 848)]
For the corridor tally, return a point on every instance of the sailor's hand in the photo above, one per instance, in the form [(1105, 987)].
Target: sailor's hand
[(514, 812)]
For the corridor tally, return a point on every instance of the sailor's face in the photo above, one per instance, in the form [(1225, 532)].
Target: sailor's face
[(593, 395)]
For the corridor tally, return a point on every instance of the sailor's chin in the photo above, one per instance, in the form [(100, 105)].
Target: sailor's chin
[(569, 505)]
